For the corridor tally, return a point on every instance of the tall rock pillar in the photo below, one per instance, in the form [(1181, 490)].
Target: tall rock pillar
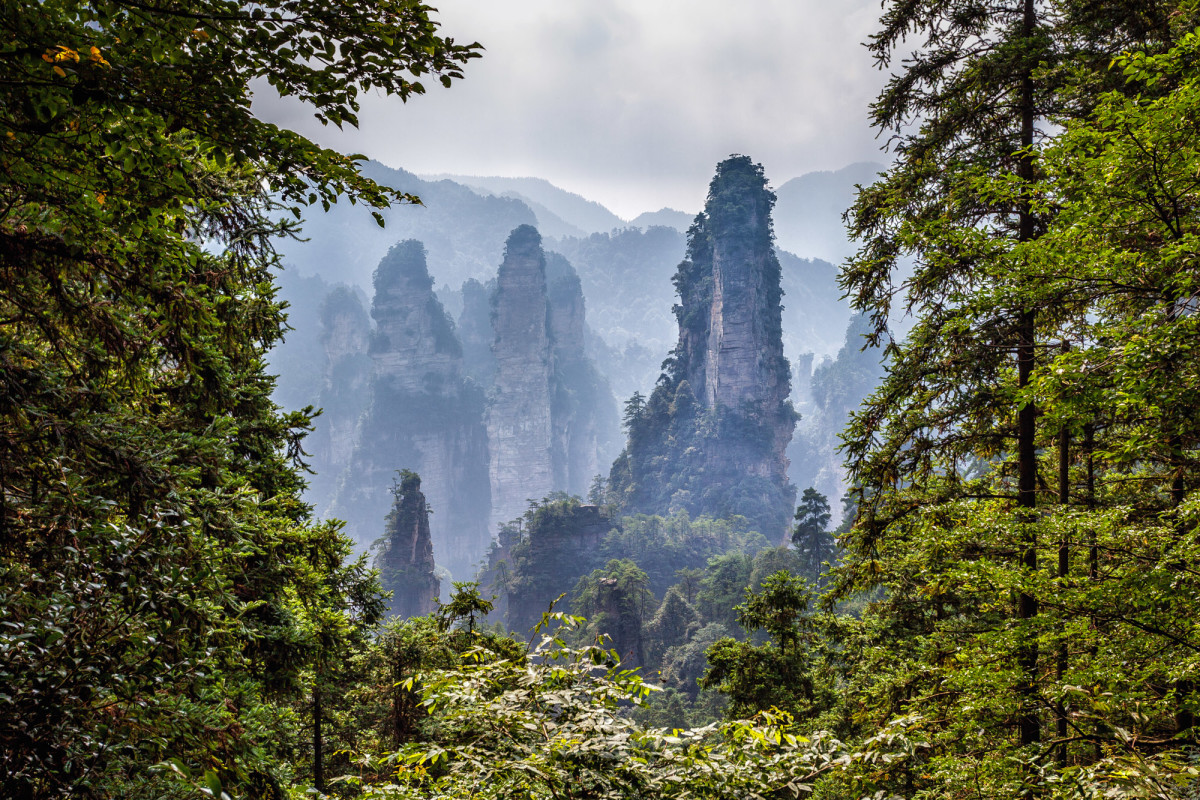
[(405, 558), (712, 438), (519, 426), (424, 415)]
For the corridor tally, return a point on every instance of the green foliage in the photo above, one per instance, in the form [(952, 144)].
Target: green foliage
[(465, 604), (552, 726), (664, 545), (617, 600), (550, 548), (161, 593), (810, 534), (786, 672), (671, 625), (376, 706), (1025, 486)]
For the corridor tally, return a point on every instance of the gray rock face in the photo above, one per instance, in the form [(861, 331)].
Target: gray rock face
[(583, 411), (424, 416), (743, 369), (519, 426), (346, 336), (475, 331), (414, 347), (345, 331), (746, 368), (551, 417), (713, 436)]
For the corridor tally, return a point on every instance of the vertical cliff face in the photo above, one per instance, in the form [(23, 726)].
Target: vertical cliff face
[(583, 410), (424, 415), (713, 436), (475, 331), (345, 336), (414, 347), (345, 330), (551, 415), (745, 373), (405, 552), (519, 427)]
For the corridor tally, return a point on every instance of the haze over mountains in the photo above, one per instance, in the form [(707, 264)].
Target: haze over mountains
[(624, 271)]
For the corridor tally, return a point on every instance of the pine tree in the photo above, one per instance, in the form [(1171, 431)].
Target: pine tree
[(810, 534), (964, 441)]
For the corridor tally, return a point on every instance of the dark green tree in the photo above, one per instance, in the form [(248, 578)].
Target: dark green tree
[(466, 603), (781, 673), (618, 601), (151, 535), (670, 626), (810, 534), (965, 439)]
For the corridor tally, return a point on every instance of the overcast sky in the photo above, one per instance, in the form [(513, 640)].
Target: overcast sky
[(633, 102)]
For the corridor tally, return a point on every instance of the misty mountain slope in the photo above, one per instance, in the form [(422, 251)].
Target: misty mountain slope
[(587, 215), (462, 230), (548, 223), (626, 276), (814, 313), (669, 217), (808, 211)]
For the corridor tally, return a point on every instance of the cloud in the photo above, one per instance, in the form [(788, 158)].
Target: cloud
[(632, 102)]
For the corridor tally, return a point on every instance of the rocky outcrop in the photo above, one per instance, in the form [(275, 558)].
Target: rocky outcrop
[(424, 415), (551, 417), (543, 555), (713, 437), (519, 427), (405, 553), (345, 376)]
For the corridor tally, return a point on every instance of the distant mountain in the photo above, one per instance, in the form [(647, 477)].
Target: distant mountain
[(462, 230), (548, 223), (625, 269), (808, 213), (667, 217), (814, 315), (587, 215)]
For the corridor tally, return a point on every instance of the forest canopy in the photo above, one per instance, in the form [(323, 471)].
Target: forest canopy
[(164, 598), (1012, 609)]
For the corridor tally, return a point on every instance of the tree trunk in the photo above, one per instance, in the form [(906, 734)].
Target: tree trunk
[(1064, 567), (1027, 606), (318, 748)]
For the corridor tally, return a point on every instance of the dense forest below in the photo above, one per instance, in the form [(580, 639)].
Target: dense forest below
[(322, 479)]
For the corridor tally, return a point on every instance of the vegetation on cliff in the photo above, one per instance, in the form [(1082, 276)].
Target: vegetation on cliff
[(710, 439)]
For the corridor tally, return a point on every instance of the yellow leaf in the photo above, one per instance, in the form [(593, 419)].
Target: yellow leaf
[(100, 198), (59, 72)]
